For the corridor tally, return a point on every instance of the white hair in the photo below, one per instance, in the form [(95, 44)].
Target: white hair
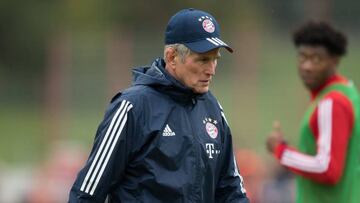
[(180, 49)]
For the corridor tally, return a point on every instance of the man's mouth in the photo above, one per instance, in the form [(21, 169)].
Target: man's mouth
[(205, 81)]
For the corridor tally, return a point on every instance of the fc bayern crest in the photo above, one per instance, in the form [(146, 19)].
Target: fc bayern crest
[(208, 26), (210, 126)]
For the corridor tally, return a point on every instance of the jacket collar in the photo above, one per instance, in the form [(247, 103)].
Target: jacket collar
[(158, 78), (336, 78)]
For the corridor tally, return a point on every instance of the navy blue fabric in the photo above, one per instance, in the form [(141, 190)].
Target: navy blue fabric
[(164, 152), (186, 27)]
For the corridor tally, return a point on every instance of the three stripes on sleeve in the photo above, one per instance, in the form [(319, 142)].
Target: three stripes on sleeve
[(104, 151)]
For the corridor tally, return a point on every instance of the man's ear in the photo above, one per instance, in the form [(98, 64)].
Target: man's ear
[(170, 57), (336, 61)]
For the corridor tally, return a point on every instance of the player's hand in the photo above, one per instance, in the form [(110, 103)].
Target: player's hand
[(275, 137)]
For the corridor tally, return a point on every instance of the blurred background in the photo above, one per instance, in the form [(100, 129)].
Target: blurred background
[(62, 61)]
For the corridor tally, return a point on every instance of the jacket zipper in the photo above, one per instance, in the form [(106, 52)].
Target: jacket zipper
[(197, 154)]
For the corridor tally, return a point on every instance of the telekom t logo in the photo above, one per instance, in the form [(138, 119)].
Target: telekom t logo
[(210, 150)]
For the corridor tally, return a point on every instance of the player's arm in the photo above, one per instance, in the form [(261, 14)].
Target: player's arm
[(331, 123), (230, 187), (108, 157)]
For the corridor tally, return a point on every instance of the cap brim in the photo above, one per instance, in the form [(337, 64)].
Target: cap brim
[(207, 44)]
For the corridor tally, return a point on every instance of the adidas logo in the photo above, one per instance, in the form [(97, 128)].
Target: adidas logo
[(167, 131)]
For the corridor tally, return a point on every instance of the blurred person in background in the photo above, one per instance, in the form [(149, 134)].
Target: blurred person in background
[(278, 186), (53, 179), (253, 171), (327, 161), (166, 139)]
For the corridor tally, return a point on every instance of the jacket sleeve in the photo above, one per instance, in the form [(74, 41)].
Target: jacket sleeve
[(230, 187), (331, 124), (108, 158)]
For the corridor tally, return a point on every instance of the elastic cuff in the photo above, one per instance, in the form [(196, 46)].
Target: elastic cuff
[(279, 149)]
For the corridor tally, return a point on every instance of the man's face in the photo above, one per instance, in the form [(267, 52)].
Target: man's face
[(315, 65), (197, 70)]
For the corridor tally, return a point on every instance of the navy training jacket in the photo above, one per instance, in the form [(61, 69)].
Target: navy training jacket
[(160, 142)]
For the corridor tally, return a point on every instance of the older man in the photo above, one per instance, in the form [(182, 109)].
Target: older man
[(165, 139)]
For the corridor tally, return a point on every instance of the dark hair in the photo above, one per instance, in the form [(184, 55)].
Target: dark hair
[(321, 34)]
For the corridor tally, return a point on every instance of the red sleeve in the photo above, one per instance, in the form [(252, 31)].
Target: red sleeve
[(331, 123)]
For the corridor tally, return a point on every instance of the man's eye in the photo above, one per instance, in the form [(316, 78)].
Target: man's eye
[(301, 57), (316, 59)]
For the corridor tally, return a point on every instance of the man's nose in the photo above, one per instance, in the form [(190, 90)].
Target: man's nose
[(306, 65), (211, 68)]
